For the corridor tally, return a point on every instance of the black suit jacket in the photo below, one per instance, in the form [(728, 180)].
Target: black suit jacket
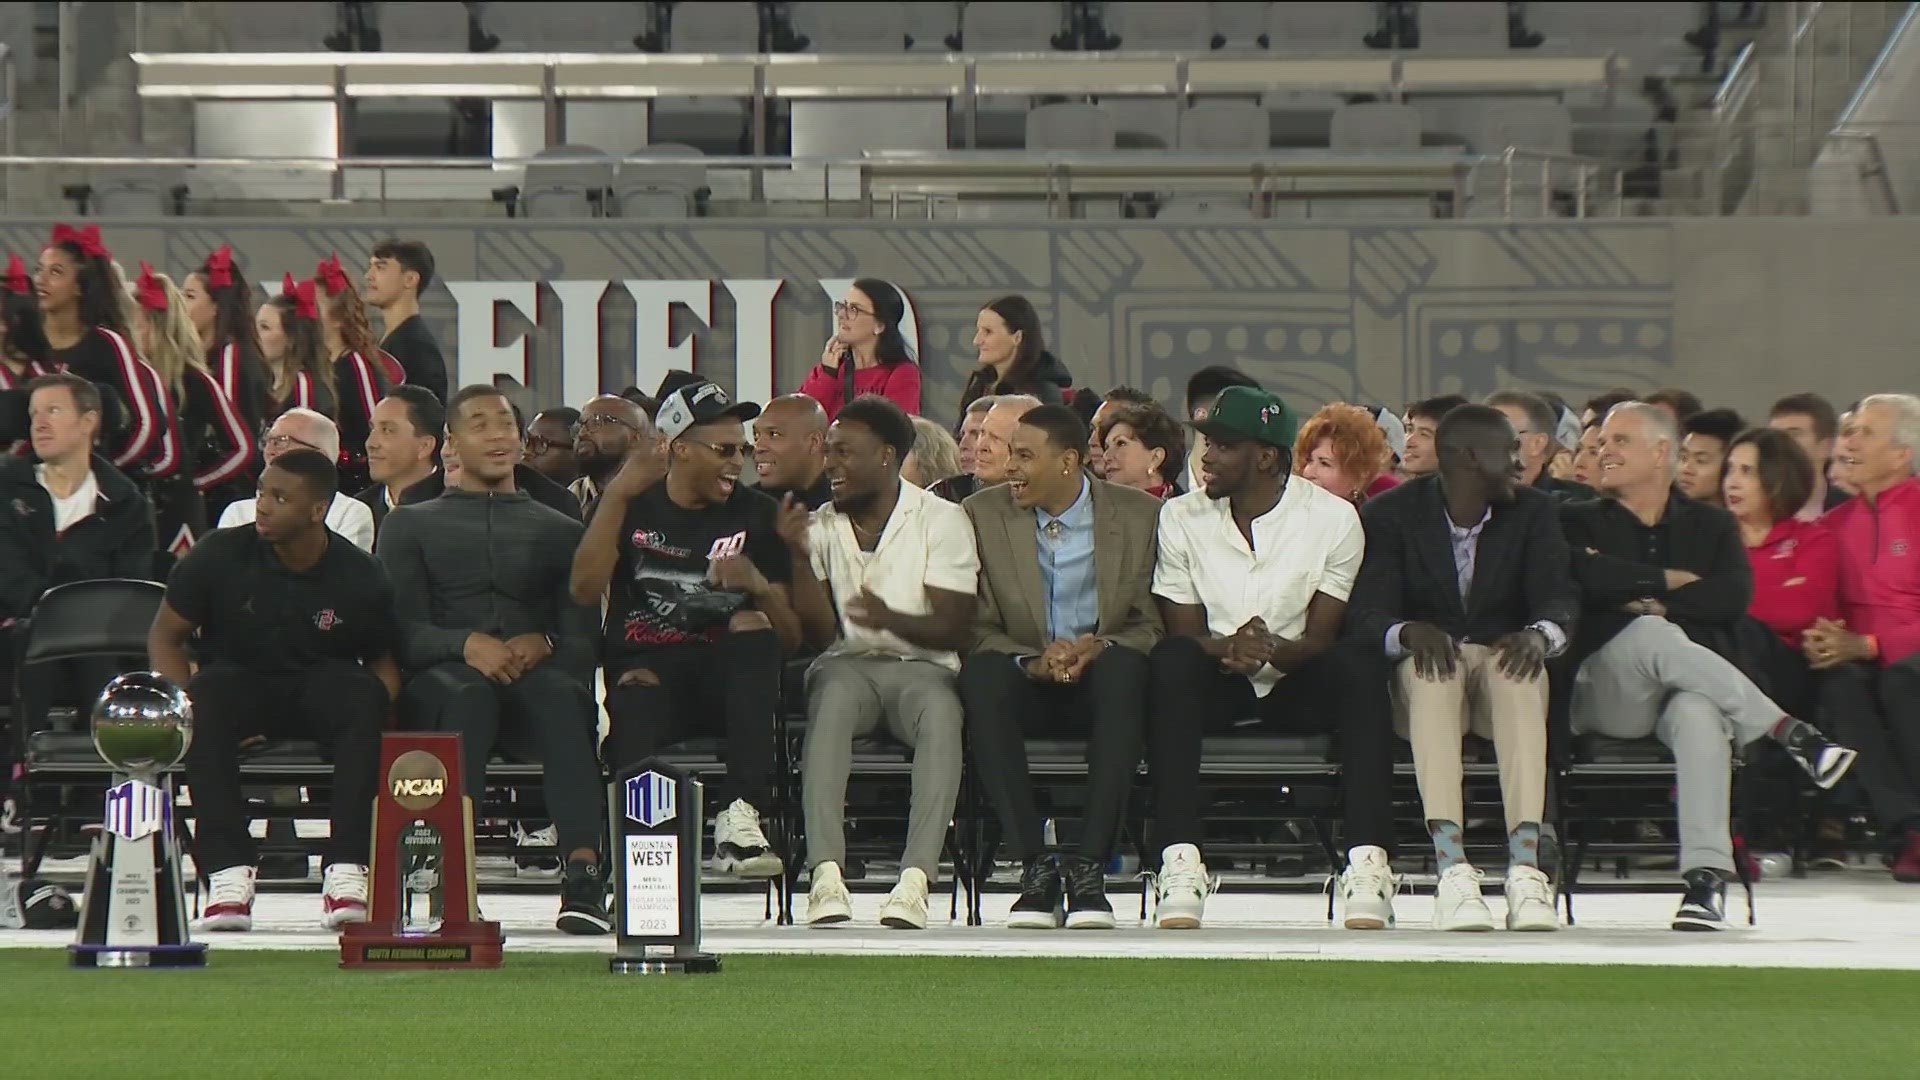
[(1521, 574), (1610, 561), (1564, 490)]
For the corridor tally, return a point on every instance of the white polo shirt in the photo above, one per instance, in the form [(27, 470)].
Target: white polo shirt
[(1310, 542), (926, 543), (346, 515)]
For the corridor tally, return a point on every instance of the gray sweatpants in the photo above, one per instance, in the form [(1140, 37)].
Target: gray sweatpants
[(849, 697), (1652, 679)]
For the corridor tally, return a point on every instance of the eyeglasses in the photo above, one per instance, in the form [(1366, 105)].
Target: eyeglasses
[(537, 445), (286, 442), (725, 450), (841, 307), (588, 423)]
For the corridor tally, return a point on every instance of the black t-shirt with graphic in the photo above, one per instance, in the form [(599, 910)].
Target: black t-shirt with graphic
[(662, 539), (253, 611)]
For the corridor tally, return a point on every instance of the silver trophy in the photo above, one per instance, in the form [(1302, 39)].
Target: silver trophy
[(135, 912)]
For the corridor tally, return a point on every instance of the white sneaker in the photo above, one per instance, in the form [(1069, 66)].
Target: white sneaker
[(1457, 904), (1181, 888), (229, 900), (546, 864), (906, 906), (828, 902), (739, 847), (1530, 900), (1367, 890), (343, 895)]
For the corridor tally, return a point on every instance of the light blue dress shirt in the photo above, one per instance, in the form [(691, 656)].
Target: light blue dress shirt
[(1066, 567)]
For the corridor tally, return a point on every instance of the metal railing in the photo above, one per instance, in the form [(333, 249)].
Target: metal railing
[(901, 180)]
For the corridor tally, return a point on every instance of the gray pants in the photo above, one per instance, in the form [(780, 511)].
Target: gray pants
[(1652, 679), (849, 697)]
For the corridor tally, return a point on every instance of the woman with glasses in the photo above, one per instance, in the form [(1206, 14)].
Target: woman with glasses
[(867, 353)]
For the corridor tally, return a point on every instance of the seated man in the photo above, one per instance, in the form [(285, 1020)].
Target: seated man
[(1466, 585), (695, 576), (790, 450), (1538, 426), (493, 646), (996, 432), (1871, 694), (71, 517), (883, 581), (1060, 648), (1252, 579), (304, 429), (957, 487), (609, 425), (403, 446), (294, 630), (1655, 568)]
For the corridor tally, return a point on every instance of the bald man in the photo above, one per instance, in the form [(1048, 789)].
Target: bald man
[(990, 457), (790, 450), (609, 428)]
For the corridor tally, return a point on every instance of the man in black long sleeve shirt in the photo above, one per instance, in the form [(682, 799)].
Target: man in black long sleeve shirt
[(1657, 569), (494, 646), (398, 272)]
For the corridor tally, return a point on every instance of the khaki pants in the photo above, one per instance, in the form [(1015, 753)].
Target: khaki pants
[(1435, 715)]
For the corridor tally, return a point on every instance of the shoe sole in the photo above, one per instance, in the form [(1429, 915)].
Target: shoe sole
[(226, 924), (339, 919), (1365, 922), (1533, 928), (1090, 920), (583, 923), (1467, 928), (1838, 772), (1693, 925), (830, 914), (1029, 920), (758, 867), (901, 922), (1180, 922), (826, 921)]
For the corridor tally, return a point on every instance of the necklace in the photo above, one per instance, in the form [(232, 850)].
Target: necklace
[(873, 533)]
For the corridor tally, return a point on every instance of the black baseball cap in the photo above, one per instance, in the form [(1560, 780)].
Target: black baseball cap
[(699, 403)]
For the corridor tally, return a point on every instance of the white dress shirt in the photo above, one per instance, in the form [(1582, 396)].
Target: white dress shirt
[(347, 516)]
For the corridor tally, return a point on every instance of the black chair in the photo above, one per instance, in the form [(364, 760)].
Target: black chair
[(102, 619)]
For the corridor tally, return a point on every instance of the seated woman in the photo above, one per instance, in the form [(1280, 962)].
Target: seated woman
[(1341, 449), (933, 461), (1143, 448), (1795, 563)]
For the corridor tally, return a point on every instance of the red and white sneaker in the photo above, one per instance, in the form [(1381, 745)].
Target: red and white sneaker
[(343, 895), (230, 900)]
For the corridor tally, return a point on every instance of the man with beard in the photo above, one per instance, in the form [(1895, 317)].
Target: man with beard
[(609, 428), (550, 445), (884, 582), (1466, 586), (790, 450), (695, 577)]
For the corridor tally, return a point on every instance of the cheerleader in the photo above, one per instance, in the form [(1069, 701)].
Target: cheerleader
[(23, 341), (288, 326), (83, 307), (221, 452), (219, 302), (359, 367)]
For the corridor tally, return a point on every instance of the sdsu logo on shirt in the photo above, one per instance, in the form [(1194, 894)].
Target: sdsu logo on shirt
[(325, 619)]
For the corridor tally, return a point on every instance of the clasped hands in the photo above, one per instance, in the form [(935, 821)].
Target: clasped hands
[(1828, 643), (1066, 660), (504, 662)]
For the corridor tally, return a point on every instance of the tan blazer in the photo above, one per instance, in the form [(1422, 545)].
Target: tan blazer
[(1012, 616)]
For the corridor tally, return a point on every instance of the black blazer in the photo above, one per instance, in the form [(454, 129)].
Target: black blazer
[(1520, 574), (1609, 552), (1564, 490)]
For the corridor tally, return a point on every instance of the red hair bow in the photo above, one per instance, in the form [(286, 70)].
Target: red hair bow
[(220, 267), (17, 281), (305, 304), (87, 240), (332, 277), (148, 290)]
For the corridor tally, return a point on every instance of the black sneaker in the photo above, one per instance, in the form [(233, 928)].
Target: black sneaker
[(1039, 906), (583, 899), (1705, 905), (1825, 761), (1087, 907)]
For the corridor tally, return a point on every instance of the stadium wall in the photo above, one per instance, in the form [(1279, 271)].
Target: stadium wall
[(1739, 310)]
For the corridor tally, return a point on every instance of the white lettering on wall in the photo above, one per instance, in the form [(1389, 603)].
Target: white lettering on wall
[(478, 357), (653, 349), (579, 339), (753, 337)]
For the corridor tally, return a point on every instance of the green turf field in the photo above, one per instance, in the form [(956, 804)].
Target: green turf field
[(262, 1014)]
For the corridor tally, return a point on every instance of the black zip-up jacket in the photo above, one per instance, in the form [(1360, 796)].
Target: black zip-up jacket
[(115, 541)]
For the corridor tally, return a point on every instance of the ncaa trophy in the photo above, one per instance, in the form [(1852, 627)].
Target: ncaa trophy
[(421, 911), (135, 912), (657, 821)]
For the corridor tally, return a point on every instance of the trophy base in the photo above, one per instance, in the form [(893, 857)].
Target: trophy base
[(190, 955), (467, 945), (688, 964)]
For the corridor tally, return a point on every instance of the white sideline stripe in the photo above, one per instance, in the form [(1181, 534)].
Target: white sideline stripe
[(1860, 919)]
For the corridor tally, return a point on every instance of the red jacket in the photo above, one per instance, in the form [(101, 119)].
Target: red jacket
[(900, 381), (1880, 567), (1796, 578)]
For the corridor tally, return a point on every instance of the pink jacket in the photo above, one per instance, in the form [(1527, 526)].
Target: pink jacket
[(1880, 567), (900, 382)]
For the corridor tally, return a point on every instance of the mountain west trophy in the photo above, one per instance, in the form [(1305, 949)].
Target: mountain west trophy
[(420, 909), (657, 822), (135, 912)]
